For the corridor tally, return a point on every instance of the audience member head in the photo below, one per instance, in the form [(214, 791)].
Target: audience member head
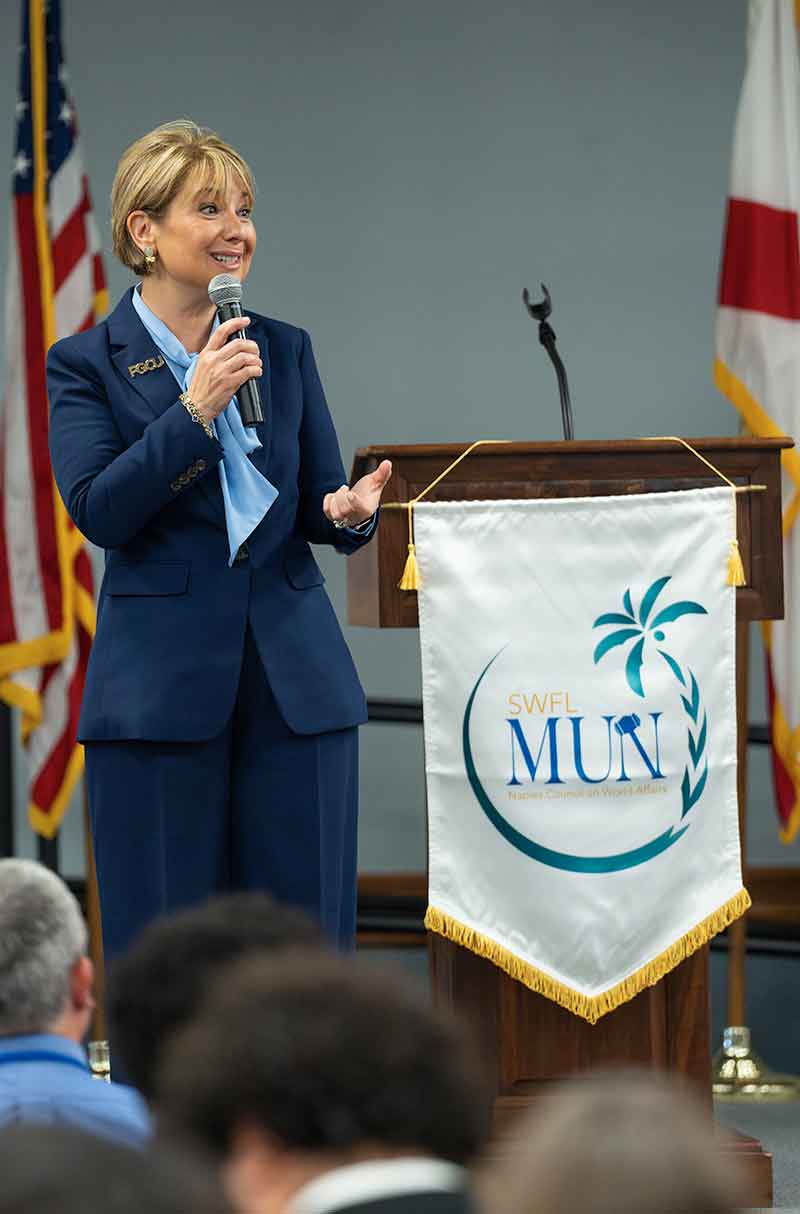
[(611, 1143), (158, 985), (59, 1170), (302, 1065), (45, 975)]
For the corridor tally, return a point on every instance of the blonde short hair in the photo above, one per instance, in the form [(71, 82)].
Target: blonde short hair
[(154, 169)]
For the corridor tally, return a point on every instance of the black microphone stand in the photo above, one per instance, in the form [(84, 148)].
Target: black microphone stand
[(547, 338)]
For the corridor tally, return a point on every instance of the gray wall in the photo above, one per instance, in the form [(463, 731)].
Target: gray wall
[(418, 165)]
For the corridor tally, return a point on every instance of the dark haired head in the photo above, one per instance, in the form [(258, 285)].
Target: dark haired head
[(324, 1056), (158, 985), (60, 1170)]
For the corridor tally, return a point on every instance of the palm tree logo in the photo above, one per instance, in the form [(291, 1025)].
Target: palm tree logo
[(642, 630), (639, 627)]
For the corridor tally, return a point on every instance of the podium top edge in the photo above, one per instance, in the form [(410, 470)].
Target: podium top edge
[(576, 447)]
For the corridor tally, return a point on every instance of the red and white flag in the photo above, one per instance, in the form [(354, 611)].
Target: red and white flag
[(55, 286), (758, 330)]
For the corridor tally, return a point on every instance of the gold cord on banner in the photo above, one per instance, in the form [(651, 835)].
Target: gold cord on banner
[(411, 577), (736, 576)]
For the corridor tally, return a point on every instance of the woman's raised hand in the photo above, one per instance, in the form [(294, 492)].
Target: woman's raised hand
[(222, 367), (347, 507)]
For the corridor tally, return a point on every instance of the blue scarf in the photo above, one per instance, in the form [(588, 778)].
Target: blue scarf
[(247, 494)]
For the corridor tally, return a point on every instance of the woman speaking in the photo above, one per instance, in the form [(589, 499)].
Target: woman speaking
[(221, 703)]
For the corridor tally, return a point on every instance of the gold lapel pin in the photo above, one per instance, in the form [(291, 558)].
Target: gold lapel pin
[(149, 364)]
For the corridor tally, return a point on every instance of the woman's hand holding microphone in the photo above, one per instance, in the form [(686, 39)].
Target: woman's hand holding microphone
[(222, 367)]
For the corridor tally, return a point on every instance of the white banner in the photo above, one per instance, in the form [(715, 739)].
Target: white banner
[(580, 735)]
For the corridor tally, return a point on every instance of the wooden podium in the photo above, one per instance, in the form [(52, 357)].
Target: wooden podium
[(529, 1040)]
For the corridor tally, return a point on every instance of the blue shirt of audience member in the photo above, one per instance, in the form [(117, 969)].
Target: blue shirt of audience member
[(45, 1078)]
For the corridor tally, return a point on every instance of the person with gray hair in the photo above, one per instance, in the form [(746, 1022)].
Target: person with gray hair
[(45, 1008)]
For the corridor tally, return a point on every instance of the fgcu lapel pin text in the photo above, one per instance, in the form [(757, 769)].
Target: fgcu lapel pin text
[(149, 364)]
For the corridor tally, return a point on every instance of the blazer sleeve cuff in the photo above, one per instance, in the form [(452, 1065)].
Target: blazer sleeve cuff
[(364, 530)]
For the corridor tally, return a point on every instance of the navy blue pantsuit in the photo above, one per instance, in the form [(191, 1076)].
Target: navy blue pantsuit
[(257, 807), (221, 701)]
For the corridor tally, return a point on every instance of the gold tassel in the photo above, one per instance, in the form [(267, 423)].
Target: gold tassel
[(735, 567), (410, 578), (736, 575)]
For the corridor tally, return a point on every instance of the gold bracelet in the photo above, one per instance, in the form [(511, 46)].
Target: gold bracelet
[(195, 414)]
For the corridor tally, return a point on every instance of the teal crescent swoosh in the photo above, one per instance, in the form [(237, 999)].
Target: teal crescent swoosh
[(545, 855)]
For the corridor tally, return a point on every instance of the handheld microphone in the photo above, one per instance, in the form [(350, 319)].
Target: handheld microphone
[(225, 292)]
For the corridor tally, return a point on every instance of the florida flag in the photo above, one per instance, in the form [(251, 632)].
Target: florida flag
[(54, 287), (758, 330)]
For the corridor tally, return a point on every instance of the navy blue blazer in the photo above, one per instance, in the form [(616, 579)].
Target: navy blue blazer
[(139, 478)]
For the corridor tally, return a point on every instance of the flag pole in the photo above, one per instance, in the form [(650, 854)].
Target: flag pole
[(737, 1072), (98, 1031)]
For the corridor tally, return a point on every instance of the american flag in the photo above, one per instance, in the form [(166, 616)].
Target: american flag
[(55, 286)]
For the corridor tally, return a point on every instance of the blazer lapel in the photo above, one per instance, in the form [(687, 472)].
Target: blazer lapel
[(139, 361), (260, 458), (142, 367)]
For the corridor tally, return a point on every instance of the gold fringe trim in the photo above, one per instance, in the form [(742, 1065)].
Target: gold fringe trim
[(789, 832), (785, 744), (47, 821), (588, 1007)]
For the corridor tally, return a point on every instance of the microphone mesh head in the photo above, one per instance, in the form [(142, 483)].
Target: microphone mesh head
[(224, 289)]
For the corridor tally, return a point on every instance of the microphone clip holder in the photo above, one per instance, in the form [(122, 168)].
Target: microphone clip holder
[(547, 338)]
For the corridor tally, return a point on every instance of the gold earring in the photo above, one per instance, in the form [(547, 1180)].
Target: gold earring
[(149, 257)]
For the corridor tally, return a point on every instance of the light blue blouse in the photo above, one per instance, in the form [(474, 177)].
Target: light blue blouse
[(247, 494)]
